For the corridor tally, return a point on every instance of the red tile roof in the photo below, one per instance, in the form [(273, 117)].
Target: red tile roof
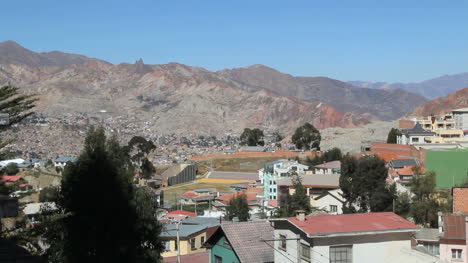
[(182, 212), (201, 257), (225, 199), (10, 178), (273, 203), (409, 170), (460, 199), (193, 195), (349, 223), (454, 227)]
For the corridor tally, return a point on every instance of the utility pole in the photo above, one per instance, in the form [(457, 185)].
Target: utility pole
[(178, 243)]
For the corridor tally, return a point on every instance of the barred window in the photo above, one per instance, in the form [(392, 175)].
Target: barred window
[(305, 252), (341, 254)]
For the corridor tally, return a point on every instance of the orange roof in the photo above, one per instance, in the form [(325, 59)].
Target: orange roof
[(409, 170), (460, 199), (273, 203), (227, 198)]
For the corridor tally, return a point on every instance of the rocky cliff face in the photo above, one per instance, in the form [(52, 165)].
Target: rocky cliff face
[(455, 100), (184, 99)]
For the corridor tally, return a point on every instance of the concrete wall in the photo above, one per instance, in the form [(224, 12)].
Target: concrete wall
[(366, 248), (445, 251)]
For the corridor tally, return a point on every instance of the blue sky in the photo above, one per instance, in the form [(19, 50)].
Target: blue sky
[(348, 40)]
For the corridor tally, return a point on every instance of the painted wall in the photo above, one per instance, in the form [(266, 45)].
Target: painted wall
[(185, 246), (366, 248), (445, 251), (325, 202), (224, 250)]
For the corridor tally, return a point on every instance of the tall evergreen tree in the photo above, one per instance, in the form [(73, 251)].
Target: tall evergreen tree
[(424, 204), (306, 137), (103, 218), (16, 107), (299, 200), (392, 136)]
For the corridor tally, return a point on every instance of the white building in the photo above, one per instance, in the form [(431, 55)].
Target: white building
[(7, 162), (358, 238), (461, 119), (333, 167), (273, 171), (415, 135), (331, 201)]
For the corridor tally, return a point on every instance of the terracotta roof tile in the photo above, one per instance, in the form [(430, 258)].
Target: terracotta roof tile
[(182, 212), (454, 227)]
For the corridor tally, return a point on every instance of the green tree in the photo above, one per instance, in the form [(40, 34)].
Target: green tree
[(424, 205), (49, 164), (306, 137), (102, 218), (403, 205), (299, 200), (49, 194), (139, 148), (17, 107), (238, 207), (11, 169), (392, 136), (252, 137), (364, 185)]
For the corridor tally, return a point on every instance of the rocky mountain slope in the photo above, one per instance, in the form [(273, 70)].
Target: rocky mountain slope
[(455, 100), (184, 99), (432, 88), (376, 104)]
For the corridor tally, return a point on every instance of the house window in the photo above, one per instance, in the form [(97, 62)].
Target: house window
[(176, 245), (305, 252), (333, 208), (432, 247), (167, 245), (294, 168), (341, 254), (456, 253), (192, 243), (282, 244), (218, 259), (202, 240), (415, 139)]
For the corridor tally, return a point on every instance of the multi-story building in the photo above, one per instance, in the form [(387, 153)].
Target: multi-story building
[(370, 237), (461, 119), (276, 170)]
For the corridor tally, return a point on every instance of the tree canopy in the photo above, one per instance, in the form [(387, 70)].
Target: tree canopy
[(102, 217), (363, 182), (392, 136), (333, 154), (139, 148), (299, 200), (306, 137), (238, 207), (14, 107), (252, 137)]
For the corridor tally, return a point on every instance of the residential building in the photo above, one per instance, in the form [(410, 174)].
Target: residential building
[(63, 160), (315, 184), (461, 119), (245, 242), (273, 171), (402, 163), (415, 135), (199, 196), (428, 238), (358, 238), (333, 167), (191, 239), (453, 245), (331, 201)]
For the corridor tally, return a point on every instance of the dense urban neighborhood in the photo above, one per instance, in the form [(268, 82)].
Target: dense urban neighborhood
[(234, 131)]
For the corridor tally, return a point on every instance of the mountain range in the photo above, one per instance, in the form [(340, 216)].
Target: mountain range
[(455, 100), (431, 89), (187, 99)]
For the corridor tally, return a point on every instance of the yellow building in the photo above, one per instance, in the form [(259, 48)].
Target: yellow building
[(191, 239), (446, 136), (433, 123)]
